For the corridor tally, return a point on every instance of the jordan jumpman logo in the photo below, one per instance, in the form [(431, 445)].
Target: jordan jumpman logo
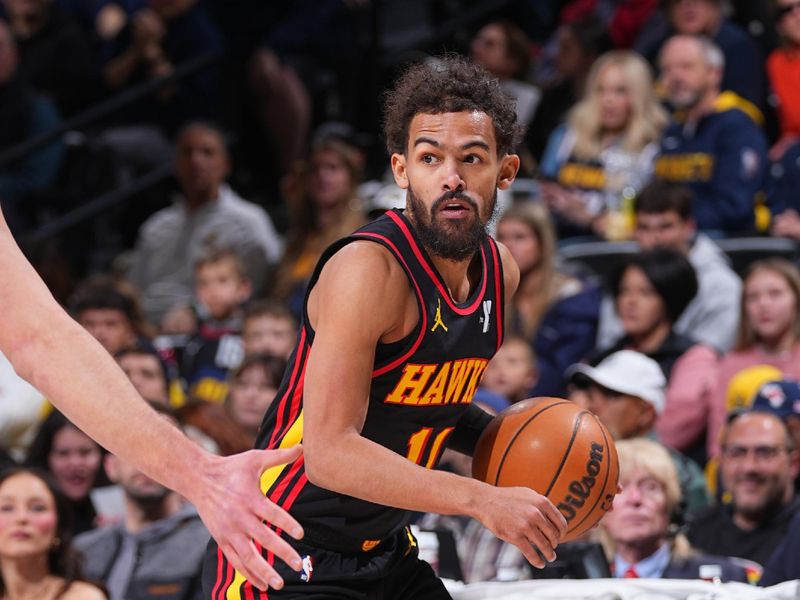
[(438, 318)]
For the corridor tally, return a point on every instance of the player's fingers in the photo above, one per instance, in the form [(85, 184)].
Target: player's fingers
[(549, 530), (554, 516), (530, 552), (244, 557), (268, 511), (542, 544), (282, 456), (270, 540)]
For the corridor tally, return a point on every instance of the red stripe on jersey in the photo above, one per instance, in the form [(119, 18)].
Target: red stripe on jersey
[(432, 274), (220, 561), (423, 329), (498, 293), (295, 404), (228, 576), (292, 381)]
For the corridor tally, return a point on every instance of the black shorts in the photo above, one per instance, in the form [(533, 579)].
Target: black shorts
[(390, 571)]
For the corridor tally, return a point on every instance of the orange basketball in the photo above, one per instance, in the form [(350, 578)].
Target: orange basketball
[(556, 448)]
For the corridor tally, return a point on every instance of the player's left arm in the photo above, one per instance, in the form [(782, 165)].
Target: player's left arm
[(475, 419)]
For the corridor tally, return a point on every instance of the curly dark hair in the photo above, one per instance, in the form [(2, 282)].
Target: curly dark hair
[(449, 84)]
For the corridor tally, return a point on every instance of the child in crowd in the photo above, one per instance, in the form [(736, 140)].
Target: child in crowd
[(512, 372), (269, 328), (252, 389), (221, 289)]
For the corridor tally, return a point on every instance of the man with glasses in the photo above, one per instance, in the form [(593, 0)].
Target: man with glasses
[(758, 466)]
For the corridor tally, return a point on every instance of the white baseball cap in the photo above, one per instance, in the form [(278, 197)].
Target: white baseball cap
[(628, 372)]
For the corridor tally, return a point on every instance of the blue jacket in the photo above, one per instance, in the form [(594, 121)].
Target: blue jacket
[(723, 159), (565, 336)]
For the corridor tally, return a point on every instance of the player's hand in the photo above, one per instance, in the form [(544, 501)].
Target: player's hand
[(526, 519), (228, 499)]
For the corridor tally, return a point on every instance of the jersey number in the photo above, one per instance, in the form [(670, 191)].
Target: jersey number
[(421, 440)]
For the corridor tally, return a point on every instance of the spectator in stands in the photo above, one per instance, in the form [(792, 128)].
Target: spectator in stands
[(55, 56), (555, 312), (599, 160), (159, 545), (208, 213), (758, 465), (782, 398), (647, 512), (784, 181), (626, 391), (252, 389), (324, 207), (579, 45), (110, 312), (37, 559), (769, 332), (268, 328), (215, 346), (147, 372), (24, 114), (783, 69), (157, 39), (712, 145), (743, 71), (664, 220), (651, 291), (503, 49), (73, 458), (215, 424), (512, 371)]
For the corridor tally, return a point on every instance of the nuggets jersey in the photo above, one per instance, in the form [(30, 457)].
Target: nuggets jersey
[(421, 387)]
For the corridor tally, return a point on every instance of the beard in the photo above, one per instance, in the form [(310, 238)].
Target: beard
[(451, 240)]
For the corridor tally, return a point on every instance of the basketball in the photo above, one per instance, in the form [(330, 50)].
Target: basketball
[(556, 448)]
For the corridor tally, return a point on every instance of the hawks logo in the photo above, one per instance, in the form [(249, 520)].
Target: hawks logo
[(451, 382)]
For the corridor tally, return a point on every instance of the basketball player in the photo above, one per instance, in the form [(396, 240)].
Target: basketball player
[(399, 323), (75, 372)]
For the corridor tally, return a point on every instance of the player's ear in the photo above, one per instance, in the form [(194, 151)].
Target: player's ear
[(509, 167), (399, 170)]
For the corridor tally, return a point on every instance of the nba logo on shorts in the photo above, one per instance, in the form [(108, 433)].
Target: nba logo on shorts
[(308, 569)]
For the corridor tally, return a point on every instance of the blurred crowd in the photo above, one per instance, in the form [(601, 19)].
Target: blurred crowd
[(666, 130)]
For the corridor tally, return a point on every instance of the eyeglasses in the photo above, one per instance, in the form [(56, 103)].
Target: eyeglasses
[(785, 9), (760, 453)]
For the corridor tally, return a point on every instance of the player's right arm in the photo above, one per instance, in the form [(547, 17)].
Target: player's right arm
[(361, 298)]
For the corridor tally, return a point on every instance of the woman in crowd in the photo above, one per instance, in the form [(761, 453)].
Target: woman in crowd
[(252, 389), (596, 163), (650, 292), (36, 556), (75, 462), (769, 331), (641, 530), (556, 312), (324, 210)]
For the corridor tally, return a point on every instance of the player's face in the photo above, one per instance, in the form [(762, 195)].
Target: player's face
[(452, 172), (108, 326), (146, 375), (639, 306), (663, 230), (522, 242), (269, 335), (220, 288), (757, 467), (28, 518), (684, 72), (770, 305), (251, 394), (640, 514), (74, 460)]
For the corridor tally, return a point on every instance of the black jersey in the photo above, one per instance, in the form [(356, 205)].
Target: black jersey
[(421, 387)]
